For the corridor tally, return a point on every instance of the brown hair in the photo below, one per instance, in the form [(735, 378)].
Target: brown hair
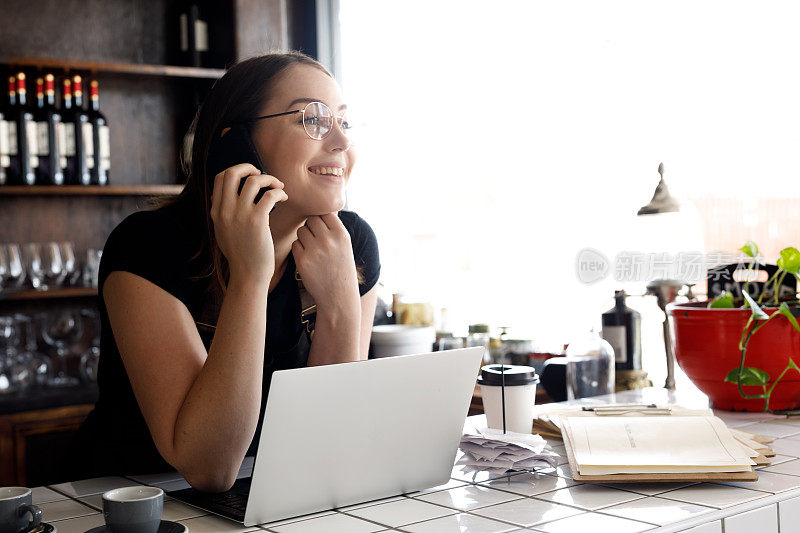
[(236, 97)]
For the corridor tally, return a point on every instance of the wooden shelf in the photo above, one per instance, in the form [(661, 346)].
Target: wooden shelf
[(90, 190), (68, 292), (133, 69)]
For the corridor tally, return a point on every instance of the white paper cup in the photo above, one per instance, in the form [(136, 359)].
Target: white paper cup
[(520, 396)]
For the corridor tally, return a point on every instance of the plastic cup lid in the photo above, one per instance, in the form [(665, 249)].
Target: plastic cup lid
[(514, 375)]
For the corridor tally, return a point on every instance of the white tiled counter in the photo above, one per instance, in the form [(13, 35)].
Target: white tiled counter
[(546, 501)]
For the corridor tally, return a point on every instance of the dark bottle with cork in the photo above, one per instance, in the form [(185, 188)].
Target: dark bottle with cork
[(622, 329)]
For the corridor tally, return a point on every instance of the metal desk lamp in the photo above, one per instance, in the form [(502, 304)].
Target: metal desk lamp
[(665, 290)]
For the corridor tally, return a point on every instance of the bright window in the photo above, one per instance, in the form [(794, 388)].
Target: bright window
[(498, 139)]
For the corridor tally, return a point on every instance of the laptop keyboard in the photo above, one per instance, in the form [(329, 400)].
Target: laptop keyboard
[(231, 504)]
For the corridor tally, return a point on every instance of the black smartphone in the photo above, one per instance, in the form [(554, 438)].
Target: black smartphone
[(233, 148)]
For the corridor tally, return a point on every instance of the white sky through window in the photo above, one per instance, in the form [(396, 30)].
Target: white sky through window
[(498, 139)]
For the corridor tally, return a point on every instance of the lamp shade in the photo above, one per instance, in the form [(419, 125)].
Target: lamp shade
[(663, 201)]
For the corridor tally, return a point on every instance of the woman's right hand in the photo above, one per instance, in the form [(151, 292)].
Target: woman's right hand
[(242, 227)]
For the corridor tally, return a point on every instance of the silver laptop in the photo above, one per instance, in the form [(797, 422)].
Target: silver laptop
[(343, 434)]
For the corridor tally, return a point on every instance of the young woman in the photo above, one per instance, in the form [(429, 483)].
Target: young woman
[(201, 299)]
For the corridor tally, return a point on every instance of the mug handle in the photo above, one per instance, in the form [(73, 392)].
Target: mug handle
[(36, 514)]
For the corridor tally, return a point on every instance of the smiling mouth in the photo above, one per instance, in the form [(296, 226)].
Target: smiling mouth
[(327, 171)]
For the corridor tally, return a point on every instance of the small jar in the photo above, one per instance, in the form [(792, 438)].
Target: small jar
[(479, 336), (590, 367), (448, 342)]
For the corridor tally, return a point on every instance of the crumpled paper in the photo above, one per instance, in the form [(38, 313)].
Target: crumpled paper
[(491, 450)]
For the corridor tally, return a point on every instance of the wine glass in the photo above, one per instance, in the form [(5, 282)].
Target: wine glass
[(61, 330), (39, 365), (16, 270), (92, 267), (68, 263), (5, 379), (9, 333), (91, 357), (34, 265), (53, 264), (22, 376), (4, 267), (9, 340)]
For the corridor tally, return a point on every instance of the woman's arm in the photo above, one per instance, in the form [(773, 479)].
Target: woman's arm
[(201, 409), (343, 335), (368, 303), (323, 253)]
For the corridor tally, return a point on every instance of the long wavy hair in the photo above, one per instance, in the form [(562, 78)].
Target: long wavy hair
[(236, 97)]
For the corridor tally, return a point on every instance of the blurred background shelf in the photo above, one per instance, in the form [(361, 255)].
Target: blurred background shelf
[(30, 294), (134, 69), (91, 190), (132, 49)]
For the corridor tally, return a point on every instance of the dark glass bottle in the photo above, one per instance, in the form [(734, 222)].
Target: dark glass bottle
[(84, 135), (7, 129), (27, 149), (47, 120), (55, 131), (66, 137), (193, 34), (77, 132), (622, 328), (101, 139)]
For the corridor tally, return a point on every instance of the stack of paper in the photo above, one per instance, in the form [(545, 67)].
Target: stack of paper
[(491, 450), (547, 417), (604, 445)]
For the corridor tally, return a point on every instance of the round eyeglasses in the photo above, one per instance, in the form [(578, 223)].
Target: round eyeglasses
[(317, 120)]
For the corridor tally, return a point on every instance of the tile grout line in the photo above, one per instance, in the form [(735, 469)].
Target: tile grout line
[(371, 521), (458, 511), (765, 495), (534, 497), (476, 485), (576, 506), (75, 500), (501, 521), (59, 491), (522, 497), (600, 511), (655, 526)]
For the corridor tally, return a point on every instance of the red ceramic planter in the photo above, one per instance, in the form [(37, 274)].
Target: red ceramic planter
[(706, 343)]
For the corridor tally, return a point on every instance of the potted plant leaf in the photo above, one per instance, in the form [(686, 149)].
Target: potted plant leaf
[(744, 352)]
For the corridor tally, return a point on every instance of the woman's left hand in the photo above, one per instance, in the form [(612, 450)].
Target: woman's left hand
[(323, 254)]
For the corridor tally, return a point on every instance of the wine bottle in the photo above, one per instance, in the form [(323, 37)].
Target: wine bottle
[(42, 142), (85, 148), (78, 134), (49, 171), (27, 149), (193, 34), (6, 124), (66, 137), (101, 139), (622, 328), (54, 131)]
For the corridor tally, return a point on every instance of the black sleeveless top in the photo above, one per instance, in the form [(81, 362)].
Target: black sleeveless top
[(159, 246)]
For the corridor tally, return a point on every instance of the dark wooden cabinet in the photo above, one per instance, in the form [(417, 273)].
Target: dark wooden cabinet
[(127, 45), (31, 443)]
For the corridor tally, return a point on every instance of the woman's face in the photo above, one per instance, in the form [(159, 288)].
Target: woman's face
[(314, 172)]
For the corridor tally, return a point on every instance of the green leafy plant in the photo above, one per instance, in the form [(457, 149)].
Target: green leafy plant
[(788, 264)]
